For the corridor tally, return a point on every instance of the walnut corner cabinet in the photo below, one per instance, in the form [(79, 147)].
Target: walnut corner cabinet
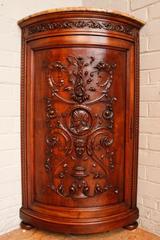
[(79, 120)]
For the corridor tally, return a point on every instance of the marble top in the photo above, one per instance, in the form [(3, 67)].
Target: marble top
[(81, 9)]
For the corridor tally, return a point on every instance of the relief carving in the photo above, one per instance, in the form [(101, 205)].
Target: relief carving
[(81, 73), (80, 157), (82, 24), (80, 121)]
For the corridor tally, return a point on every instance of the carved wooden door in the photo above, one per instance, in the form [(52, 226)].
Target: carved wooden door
[(79, 121)]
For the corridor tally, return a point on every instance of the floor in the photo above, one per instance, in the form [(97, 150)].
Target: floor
[(119, 234)]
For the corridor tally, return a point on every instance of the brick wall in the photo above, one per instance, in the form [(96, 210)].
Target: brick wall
[(149, 150), (121, 5), (10, 184)]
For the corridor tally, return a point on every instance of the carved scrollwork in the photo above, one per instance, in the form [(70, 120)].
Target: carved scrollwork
[(80, 156), (99, 147), (81, 73), (81, 24)]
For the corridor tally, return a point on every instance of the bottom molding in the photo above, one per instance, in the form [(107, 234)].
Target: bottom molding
[(66, 225)]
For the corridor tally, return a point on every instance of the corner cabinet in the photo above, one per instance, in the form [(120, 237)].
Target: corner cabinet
[(79, 120)]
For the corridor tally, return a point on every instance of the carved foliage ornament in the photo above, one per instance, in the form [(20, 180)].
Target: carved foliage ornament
[(80, 78), (79, 154), (80, 24)]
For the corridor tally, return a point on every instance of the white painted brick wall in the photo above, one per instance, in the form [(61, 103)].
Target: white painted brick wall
[(149, 157), (141, 13), (155, 76), (149, 202), (154, 142), (144, 76), (142, 172), (150, 60), (138, 4), (143, 109), (153, 109), (153, 174), (153, 43), (143, 141), (143, 44), (10, 183), (149, 125), (150, 93), (154, 10), (149, 152), (121, 5)]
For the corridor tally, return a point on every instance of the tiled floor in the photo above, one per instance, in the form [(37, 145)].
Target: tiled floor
[(120, 234)]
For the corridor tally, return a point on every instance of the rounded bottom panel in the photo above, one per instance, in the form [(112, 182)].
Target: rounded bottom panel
[(78, 226)]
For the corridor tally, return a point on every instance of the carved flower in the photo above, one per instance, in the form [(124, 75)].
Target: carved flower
[(108, 114), (79, 94), (52, 141), (106, 141), (57, 65), (100, 66)]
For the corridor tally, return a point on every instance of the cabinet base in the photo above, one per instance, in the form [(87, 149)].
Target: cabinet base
[(131, 226), (74, 225), (26, 226)]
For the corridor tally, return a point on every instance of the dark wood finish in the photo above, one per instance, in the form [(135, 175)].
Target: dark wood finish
[(131, 226), (25, 226), (79, 121)]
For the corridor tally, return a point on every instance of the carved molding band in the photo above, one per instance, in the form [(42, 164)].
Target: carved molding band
[(81, 24)]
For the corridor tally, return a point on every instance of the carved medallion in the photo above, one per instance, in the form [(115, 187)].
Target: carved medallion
[(80, 121)]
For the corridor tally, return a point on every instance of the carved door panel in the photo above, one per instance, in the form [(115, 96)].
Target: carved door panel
[(79, 126)]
